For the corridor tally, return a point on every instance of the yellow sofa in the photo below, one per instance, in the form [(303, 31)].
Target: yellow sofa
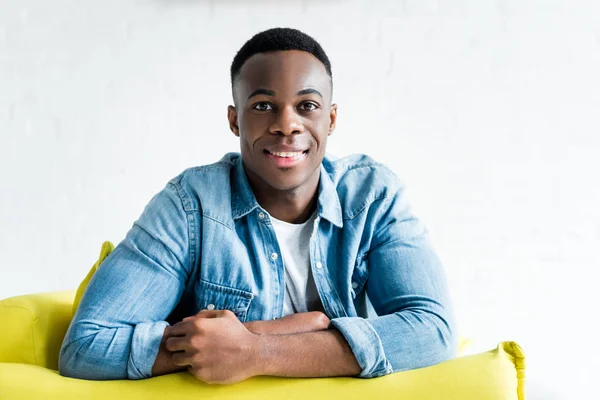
[(33, 326)]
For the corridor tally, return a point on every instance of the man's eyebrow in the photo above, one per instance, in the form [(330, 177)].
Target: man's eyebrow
[(309, 91), (266, 92)]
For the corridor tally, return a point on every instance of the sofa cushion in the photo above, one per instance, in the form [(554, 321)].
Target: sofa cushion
[(33, 327)]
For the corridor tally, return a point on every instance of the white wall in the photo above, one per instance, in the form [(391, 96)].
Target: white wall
[(487, 109)]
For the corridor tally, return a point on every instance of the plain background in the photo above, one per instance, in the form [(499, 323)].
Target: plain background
[(488, 110)]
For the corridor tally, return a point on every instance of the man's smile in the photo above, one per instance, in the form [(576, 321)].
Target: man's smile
[(286, 159)]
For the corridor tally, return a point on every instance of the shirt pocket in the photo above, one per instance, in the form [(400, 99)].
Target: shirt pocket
[(210, 296)]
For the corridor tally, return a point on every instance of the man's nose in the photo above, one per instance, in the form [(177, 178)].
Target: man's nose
[(287, 122)]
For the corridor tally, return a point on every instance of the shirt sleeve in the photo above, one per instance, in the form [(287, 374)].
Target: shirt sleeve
[(407, 288), (117, 329)]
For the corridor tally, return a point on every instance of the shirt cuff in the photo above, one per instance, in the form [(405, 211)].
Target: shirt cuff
[(144, 348), (365, 344)]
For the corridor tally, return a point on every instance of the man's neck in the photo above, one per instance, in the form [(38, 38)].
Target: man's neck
[(290, 209), (293, 206)]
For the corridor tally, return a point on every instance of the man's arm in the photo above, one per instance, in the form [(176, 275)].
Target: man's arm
[(407, 287), (311, 354), (296, 323), (217, 348), (117, 329), (414, 327)]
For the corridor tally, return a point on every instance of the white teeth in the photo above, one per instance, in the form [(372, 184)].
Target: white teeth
[(287, 154)]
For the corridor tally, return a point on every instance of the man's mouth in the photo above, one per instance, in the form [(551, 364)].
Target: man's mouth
[(286, 154), (286, 159)]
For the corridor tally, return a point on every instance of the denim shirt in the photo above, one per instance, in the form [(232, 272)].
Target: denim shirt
[(204, 242)]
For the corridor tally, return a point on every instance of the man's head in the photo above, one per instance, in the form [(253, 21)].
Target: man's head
[(282, 90)]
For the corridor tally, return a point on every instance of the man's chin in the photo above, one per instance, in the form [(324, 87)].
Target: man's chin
[(286, 185)]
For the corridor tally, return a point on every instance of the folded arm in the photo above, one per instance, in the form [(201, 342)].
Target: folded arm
[(414, 327), (407, 287), (313, 321), (117, 329)]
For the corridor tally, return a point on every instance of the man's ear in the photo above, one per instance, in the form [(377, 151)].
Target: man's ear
[(232, 116), (332, 118)]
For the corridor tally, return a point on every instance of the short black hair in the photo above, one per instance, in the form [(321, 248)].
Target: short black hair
[(278, 39)]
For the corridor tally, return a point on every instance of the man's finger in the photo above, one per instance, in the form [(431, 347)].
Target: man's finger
[(181, 359), (187, 325), (211, 313), (177, 343), (206, 314), (180, 329)]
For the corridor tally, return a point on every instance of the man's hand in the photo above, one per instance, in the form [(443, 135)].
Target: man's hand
[(215, 347)]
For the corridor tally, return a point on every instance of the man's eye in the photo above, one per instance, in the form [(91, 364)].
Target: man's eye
[(262, 106), (308, 106)]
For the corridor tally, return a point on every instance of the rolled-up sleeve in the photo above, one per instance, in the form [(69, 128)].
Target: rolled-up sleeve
[(407, 287), (117, 329)]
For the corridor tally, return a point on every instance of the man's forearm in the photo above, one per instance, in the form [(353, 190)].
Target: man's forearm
[(312, 354), (296, 323)]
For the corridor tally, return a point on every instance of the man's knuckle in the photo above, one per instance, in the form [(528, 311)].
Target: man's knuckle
[(323, 319), (195, 343), (198, 325)]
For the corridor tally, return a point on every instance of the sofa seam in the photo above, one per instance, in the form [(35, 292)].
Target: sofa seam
[(35, 357)]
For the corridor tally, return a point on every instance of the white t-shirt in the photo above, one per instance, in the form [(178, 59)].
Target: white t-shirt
[(300, 290)]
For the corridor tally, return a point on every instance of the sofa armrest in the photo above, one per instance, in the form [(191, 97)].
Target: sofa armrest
[(33, 327)]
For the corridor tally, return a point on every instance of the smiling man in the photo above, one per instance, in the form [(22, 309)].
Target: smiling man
[(278, 261)]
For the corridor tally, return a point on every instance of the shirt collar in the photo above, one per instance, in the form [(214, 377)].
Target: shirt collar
[(243, 200)]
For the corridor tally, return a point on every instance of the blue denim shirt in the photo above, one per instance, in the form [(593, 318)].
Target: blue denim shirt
[(204, 242)]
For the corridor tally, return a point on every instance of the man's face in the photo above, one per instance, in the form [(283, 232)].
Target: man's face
[(283, 116)]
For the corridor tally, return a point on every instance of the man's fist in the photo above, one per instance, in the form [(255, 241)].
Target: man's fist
[(215, 346)]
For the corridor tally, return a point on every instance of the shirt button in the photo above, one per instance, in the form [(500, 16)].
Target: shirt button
[(261, 215), (274, 256), (319, 265), (354, 285), (274, 318), (210, 307)]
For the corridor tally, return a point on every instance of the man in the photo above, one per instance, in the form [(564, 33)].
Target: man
[(269, 262)]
